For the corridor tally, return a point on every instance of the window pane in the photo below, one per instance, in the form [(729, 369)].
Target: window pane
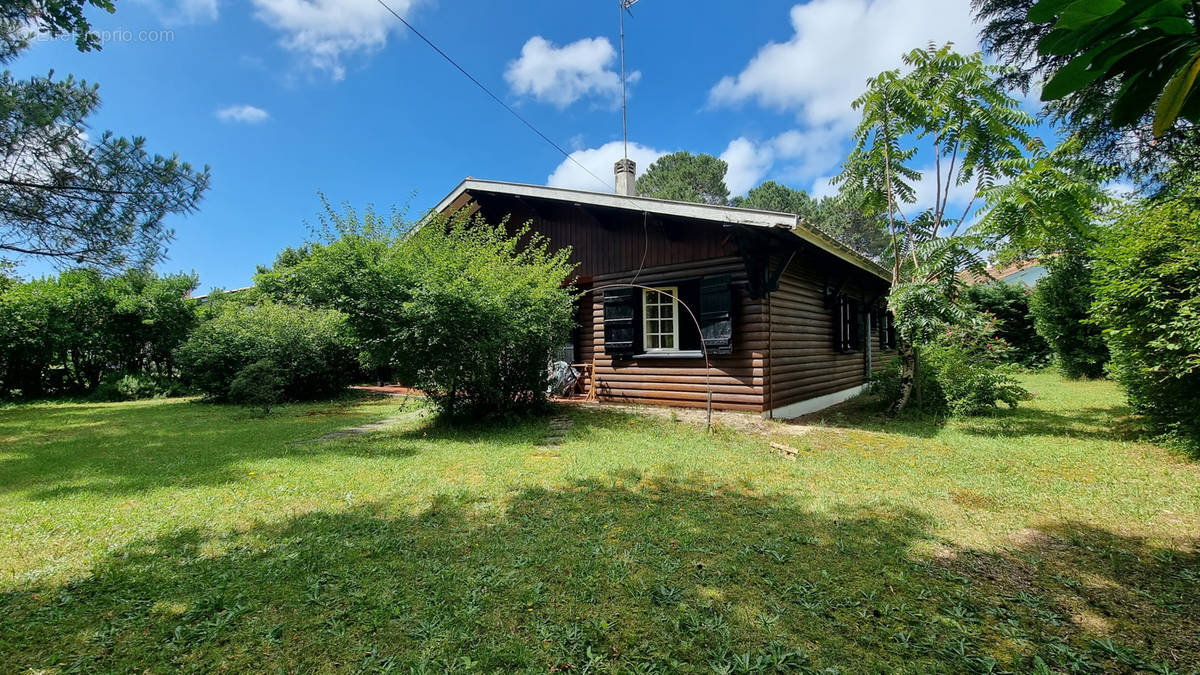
[(652, 311), (668, 311), (668, 342)]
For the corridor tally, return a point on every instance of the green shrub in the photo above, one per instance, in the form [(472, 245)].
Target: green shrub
[(63, 334), (125, 386), (1147, 287), (481, 314), (963, 371), (310, 347), (466, 311), (1009, 305), (258, 385), (927, 396), (972, 369), (1061, 305)]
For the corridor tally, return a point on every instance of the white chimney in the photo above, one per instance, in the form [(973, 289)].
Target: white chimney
[(626, 171)]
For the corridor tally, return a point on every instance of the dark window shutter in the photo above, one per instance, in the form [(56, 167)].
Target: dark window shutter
[(716, 313), (849, 328), (620, 325), (860, 328), (839, 323)]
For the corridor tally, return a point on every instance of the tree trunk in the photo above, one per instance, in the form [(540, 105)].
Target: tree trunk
[(908, 377)]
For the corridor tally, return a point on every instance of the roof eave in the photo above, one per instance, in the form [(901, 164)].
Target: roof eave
[(709, 212)]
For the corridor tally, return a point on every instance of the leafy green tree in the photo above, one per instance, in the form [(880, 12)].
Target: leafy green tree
[(460, 308), (481, 312), (1052, 212), (838, 217), (349, 266), (54, 18), (311, 348), (83, 326), (1150, 49), (1061, 305), (1052, 207), (28, 345), (1147, 299), (1008, 304), (975, 134), (1107, 64), (771, 196), (682, 176), (151, 316), (62, 196)]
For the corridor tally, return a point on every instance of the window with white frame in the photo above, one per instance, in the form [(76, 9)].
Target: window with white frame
[(660, 312)]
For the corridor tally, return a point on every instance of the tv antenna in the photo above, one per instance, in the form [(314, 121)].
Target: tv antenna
[(624, 6)]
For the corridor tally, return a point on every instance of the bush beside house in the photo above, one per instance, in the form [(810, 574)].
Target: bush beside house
[(459, 309), (310, 348), (481, 314), (963, 370)]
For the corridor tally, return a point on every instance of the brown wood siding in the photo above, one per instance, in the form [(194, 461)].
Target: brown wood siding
[(610, 246), (736, 379), (610, 242), (805, 363)]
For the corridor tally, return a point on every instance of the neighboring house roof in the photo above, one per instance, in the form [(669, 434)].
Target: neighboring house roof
[(721, 214), (1026, 272), (204, 297)]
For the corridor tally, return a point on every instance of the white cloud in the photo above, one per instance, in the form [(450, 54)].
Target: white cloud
[(748, 163), (325, 32), (184, 11), (246, 114), (795, 156), (927, 194), (600, 162), (823, 187), (1122, 190), (199, 9), (837, 45), (563, 75)]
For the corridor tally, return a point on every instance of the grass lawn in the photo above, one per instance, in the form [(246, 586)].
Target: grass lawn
[(173, 535)]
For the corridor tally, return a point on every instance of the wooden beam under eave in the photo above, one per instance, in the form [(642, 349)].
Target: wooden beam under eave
[(465, 201)]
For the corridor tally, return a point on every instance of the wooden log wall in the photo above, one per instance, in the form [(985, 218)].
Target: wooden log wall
[(609, 245), (805, 362), (736, 379)]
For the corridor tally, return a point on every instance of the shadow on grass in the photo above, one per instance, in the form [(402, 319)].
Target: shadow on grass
[(112, 449), (1114, 423), (649, 574), (57, 451), (1089, 423)]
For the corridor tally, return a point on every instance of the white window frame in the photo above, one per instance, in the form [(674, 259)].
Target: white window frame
[(673, 293)]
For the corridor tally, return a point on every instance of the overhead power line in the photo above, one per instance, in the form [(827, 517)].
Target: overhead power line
[(494, 97)]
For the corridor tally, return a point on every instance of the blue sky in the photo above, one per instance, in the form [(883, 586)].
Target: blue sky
[(283, 98)]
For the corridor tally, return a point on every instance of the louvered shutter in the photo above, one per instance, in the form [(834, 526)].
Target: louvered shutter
[(860, 327), (620, 325), (716, 314), (841, 324)]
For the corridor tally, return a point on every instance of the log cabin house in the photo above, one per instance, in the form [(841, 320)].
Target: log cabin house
[(792, 320)]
